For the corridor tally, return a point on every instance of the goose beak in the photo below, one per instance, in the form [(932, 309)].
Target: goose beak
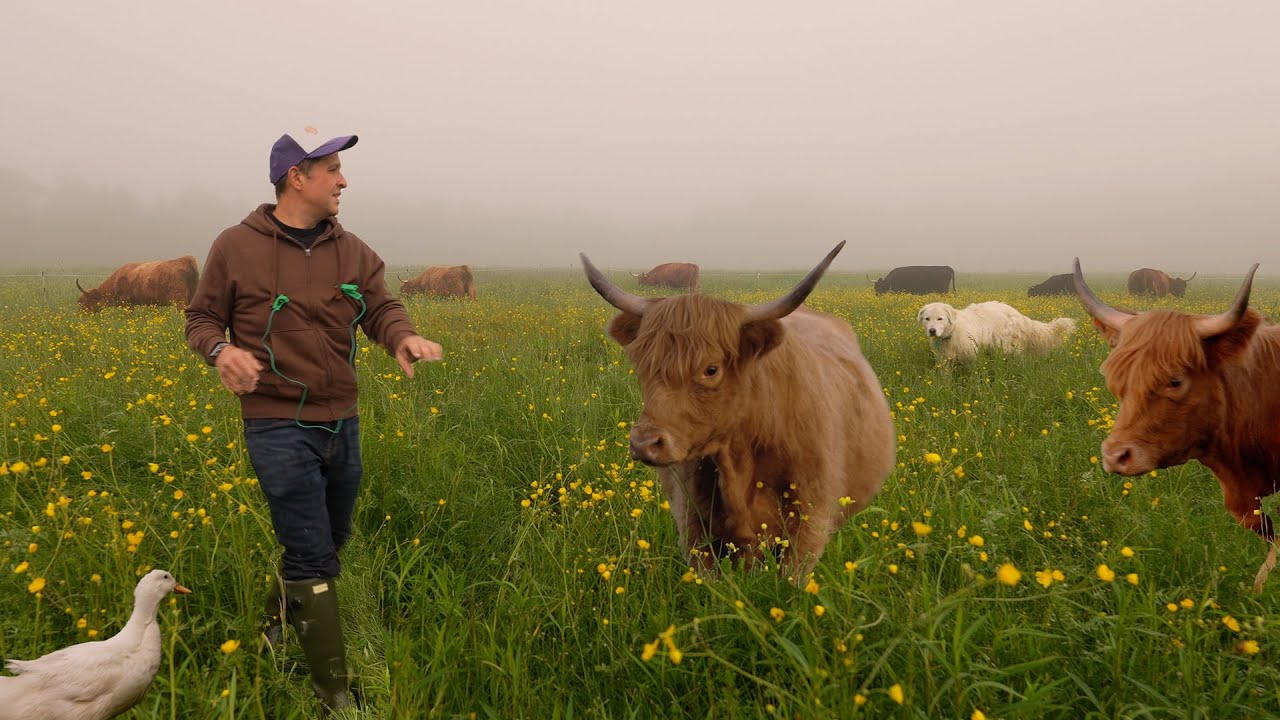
[(181, 590)]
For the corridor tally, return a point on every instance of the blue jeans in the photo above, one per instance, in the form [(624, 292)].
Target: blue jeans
[(311, 478)]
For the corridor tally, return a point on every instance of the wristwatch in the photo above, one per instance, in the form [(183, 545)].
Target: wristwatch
[(213, 354)]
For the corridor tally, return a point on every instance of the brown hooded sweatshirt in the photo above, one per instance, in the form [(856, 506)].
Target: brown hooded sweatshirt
[(311, 334)]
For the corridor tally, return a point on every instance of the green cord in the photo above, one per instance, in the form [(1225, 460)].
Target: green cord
[(351, 291)]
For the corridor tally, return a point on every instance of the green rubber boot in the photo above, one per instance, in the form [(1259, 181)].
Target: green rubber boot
[(313, 612), (273, 613)]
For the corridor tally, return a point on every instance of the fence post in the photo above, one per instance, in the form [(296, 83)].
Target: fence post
[(44, 285)]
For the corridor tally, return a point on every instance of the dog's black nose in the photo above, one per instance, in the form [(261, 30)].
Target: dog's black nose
[(932, 332)]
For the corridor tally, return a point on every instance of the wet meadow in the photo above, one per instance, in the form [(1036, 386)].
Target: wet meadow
[(510, 561)]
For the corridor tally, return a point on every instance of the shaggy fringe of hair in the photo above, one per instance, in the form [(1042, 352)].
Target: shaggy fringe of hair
[(1164, 343), (682, 334), (1158, 345)]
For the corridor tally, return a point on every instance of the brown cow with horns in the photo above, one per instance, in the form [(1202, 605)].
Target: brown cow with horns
[(767, 425), (159, 282), (1149, 281), (676, 275), (1197, 387), (442, 281)]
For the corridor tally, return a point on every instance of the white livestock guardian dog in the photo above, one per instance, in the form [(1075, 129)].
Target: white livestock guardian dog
[(957, 335)]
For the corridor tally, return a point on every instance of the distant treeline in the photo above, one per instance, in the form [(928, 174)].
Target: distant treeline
[(76, 223)]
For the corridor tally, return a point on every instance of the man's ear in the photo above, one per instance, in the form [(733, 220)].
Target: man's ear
[(624, 327), (1232, 344), (758, 338)]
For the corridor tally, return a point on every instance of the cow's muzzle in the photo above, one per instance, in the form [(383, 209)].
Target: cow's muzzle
[(1125, 458), (650, 445)]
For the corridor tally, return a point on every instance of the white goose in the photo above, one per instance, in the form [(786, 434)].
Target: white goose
[(93, 680)]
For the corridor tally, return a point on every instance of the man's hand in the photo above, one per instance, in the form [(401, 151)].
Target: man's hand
[(415, 348), (239, 369)]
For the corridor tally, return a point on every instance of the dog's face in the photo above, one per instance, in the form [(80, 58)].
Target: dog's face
[(937, 319)]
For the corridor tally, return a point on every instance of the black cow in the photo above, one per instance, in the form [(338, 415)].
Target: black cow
[(1055, 285), (918, 280)]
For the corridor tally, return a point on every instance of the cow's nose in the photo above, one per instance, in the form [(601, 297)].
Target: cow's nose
[(647, 446), (1117, 457)]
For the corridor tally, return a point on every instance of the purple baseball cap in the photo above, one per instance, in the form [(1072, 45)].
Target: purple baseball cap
[(286, 153)]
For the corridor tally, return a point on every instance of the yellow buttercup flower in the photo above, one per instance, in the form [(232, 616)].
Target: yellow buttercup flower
[(1008, 574), (649, 650)]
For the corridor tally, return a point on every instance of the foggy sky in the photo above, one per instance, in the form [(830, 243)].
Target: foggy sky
[(988, 135)]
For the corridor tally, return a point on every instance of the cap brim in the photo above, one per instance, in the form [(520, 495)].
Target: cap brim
[(337, 144)]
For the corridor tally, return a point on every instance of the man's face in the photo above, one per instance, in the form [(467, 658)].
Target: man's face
[(321, 189)]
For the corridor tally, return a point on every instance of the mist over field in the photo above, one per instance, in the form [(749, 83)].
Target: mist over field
[(994, 136)]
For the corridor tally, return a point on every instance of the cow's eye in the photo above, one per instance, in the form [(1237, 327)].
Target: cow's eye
[(1175, 382), (711, 371)]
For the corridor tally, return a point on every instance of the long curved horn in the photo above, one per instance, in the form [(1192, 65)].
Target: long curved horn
[(784, 305), (1193, 277), (82, 290), (1103, 312), (614, 295), (1212, 325)]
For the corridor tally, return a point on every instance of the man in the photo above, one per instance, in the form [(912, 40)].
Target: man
[(291, 285)]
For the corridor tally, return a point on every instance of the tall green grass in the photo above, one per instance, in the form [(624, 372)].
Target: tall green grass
[(509, 560)]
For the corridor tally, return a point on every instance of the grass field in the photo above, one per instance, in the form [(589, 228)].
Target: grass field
[(509, 560)]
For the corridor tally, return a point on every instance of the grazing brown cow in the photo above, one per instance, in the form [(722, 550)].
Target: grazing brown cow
[(1197, 387), (159, 282), (681, 276), (767, 425), (1146, 281), (442, 281)]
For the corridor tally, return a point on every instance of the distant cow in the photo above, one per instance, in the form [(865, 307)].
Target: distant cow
[(918, 280), (681, 276), (442, 281), (1147, 281), (159, 282), (1197, 387), (766, 423), (1055, 285)]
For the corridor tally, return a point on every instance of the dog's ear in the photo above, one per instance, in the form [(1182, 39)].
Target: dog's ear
[(920, 316), (951, 315)]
